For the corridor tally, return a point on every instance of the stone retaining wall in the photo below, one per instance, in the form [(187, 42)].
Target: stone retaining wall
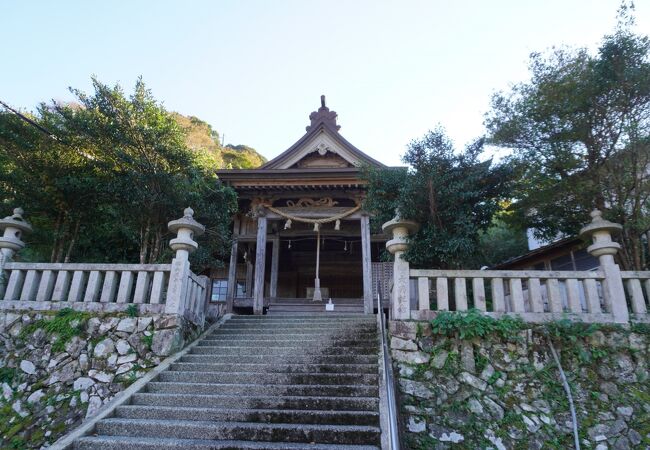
[(58, 368), (507, 394)]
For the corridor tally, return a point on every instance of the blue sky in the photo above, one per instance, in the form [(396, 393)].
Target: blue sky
[(256, 69)]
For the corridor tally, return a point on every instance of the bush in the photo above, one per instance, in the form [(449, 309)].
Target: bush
[(475, 324)]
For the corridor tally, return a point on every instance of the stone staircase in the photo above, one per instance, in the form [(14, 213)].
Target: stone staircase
[(259, 382)]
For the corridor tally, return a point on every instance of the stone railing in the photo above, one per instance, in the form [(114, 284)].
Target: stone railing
[(633, 283), (604, 295), (534, 295), (98, 286), (196, 298), (151, 288)]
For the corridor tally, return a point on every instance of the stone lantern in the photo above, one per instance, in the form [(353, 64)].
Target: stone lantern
[(12, 228), (400, 296), (185, 228), (603, 248), (184, 244)]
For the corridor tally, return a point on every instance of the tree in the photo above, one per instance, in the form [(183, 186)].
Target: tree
[(579, 130), (119, 169), (452, 195)]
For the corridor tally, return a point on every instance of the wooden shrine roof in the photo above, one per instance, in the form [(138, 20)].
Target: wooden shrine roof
[(321, 158)]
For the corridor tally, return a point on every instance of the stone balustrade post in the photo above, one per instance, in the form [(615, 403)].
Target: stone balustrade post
[(12, 228), (185, 228), (603, 248), (400, 296)]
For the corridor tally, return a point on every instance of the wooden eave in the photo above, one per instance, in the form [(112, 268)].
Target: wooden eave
[(292, 179)]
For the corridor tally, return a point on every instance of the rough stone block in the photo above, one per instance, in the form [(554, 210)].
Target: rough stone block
[(28, 367), (104, 349), (416, 389), (408, 357), (127, 325), (473, 381), (165, 342), (402, 344)]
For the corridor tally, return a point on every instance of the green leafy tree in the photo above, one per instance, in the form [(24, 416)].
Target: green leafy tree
[(452, 195), (53, 180), (118, 169), (580, 132)]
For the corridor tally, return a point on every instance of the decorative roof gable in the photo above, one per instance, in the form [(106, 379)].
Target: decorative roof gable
[(321, 147)]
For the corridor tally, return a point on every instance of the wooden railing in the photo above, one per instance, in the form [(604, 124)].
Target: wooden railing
[(534, 295)]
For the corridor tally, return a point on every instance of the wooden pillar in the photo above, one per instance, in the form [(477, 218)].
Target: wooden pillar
[(260, 260), (275, 259), (232, 276), (249, 273), (366, 265)]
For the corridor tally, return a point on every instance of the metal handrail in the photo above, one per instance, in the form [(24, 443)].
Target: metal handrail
[(389, 382)]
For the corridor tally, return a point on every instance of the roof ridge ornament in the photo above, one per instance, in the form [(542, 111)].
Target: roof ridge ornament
[(323, 115)]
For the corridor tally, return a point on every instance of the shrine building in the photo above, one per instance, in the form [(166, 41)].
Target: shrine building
[(301, 236)]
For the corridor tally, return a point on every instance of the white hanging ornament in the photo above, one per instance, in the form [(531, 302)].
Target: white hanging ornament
[(316, 226), (287, 224), (337, 225), (289, 244)]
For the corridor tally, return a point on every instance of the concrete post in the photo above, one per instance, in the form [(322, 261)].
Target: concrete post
[(604, 249), (400, 296), (185, 228), (11, 241)]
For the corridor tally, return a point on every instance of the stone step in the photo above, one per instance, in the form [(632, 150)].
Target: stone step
[(269, 378), (298, 328), (320, 307), (279, 359), (284, 310), (314, 390), (326, 318), (306, 339), (237, 350), (314, 316), (339, 311), (263, 334), (276, 368), (318, 316), (303, 332), (256, 402), (297, 334), (329, 325), (296, 416), (328, 434), (147, 443)]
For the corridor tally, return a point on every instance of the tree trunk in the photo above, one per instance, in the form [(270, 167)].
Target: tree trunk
[(73, 241), (62, 238), (57, 238), (144, 242), (156, 246)]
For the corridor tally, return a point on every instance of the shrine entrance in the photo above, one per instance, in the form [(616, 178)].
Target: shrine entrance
[(340, 270), (301, 232)]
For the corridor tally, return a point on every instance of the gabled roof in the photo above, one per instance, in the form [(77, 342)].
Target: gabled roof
[(322, 140)]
